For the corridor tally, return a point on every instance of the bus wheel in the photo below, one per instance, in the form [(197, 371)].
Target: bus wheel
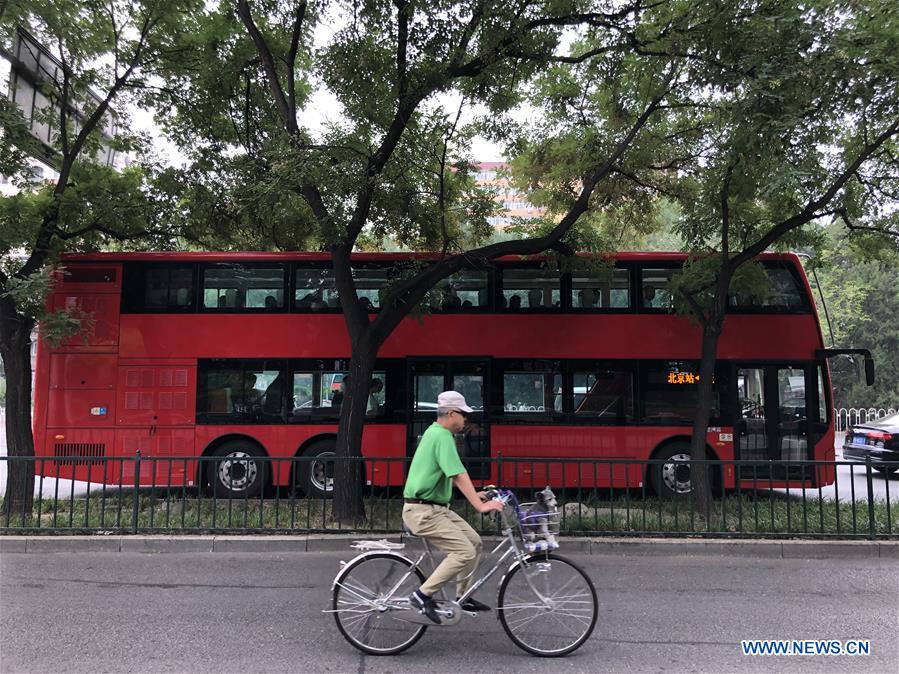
[(315, 471), (672, 476), (237, 474)]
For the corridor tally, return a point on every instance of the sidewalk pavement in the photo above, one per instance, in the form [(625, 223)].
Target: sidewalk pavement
[(775, 549)]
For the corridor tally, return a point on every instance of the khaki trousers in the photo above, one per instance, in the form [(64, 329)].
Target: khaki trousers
[(451, 534)]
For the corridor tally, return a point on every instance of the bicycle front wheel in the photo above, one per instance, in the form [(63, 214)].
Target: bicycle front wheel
[(547, 605), (364, 593)]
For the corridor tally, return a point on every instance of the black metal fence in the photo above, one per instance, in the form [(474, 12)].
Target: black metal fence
[(835, 500)]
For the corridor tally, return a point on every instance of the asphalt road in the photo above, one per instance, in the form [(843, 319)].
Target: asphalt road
[(220, 612)]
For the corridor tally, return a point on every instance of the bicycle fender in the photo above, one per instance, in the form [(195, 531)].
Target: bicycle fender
[(514, 565), (370, 553)]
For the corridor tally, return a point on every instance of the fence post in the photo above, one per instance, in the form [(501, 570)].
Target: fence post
[(872, 524), (135, 504)]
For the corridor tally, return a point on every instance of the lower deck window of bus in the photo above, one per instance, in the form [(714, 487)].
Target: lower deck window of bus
[(822, 400), (671, 392), (315, 289), (245, 392), (242, 287), (538, 392), (604, 289), (317, 394), (654, 290), (531, 288), (604, 393), (158, 288)]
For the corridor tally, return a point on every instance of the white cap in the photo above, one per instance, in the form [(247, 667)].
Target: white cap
[(453, 400)]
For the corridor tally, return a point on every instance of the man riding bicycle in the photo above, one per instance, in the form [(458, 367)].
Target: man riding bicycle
[(435, 470)]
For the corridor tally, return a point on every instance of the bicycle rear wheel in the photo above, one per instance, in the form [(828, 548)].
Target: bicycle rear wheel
[(547, 605), (363, 594)]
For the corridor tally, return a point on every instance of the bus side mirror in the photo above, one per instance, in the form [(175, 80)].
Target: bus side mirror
[(864, 353)]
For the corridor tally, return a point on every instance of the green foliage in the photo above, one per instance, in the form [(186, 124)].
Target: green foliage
[(109, 49), (801, 89), (57, 325), (862, 300)]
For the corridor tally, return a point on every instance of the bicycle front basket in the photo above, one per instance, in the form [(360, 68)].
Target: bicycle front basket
[(538, 528)]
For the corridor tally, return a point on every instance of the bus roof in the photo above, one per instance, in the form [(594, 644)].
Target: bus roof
[(265, 256)]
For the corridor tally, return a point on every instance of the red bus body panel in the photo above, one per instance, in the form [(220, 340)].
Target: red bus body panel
[(131, 385)]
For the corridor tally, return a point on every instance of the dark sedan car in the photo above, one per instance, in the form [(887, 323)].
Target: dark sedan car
[(879, 440)]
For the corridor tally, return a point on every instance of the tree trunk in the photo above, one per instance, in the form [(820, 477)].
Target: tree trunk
[(711, 332), (349, 471), (699, 474), (15, 348)]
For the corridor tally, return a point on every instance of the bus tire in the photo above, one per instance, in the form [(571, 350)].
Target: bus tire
[(315, 472), (671, 477), (236, 474)]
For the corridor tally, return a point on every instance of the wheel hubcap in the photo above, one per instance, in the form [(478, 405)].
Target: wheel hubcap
[(321, 474), (676, 473), (237, 471)]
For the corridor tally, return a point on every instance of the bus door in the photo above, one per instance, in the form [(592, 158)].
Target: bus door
[(470, 377), (773, 425)]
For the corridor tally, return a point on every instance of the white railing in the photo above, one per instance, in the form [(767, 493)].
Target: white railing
[(844, 417)]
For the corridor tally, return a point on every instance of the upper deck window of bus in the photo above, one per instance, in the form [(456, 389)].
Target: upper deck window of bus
[(234, 286), (785, 293), (371, 280), (465, 290), (654, 292), (604, 289), (158, 288), (315, 289), (530, 288)]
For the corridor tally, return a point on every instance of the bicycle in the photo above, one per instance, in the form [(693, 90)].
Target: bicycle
[(546, 603)]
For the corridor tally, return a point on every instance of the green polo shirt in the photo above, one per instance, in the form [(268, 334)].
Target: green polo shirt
[(433, 467)]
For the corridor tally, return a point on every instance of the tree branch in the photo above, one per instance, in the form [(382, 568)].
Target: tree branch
[(810, 212), (292, 56), (288, 113)]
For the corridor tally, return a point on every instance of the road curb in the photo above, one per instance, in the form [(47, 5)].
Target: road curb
[(771, 549)]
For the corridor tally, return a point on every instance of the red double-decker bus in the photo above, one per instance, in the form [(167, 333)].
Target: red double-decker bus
[(241, 355)]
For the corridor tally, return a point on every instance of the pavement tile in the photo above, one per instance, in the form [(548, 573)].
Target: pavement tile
[(259, 543), (73, 544), (889, 549), (829, 549), (326, 542), (12, 544), (157, 544), (667, 546)]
